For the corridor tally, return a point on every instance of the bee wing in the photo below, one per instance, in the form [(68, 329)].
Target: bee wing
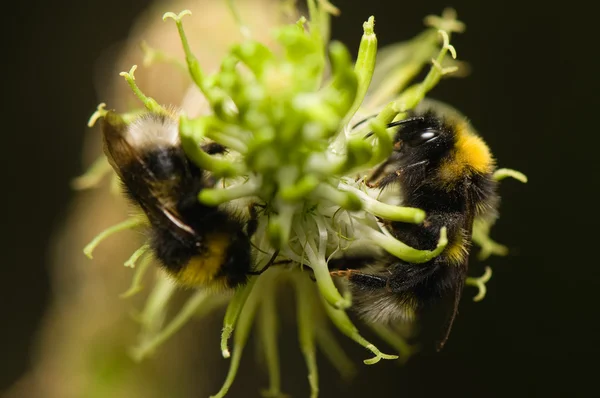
[(140, 182), (116, 148), (459, 286), (460, 283)]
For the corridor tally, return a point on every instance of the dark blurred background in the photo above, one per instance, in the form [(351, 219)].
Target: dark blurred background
[(530, 95)]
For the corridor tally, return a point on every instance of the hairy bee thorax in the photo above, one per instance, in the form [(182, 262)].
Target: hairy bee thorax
[(452, 173), (469, 156)]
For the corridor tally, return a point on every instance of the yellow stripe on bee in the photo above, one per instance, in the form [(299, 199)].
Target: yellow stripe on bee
[(203, 268), (470, 152), (457, 251)]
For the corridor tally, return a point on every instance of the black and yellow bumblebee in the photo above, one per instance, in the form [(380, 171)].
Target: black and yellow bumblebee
[(442, 166), (196, 244)]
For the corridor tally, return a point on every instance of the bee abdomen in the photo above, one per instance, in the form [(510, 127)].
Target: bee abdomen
[(217, 257)]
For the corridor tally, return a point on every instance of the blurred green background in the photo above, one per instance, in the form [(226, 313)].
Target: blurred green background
[(530, 97)]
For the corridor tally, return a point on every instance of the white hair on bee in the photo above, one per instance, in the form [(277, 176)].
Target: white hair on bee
[(153, 130), (378, 306)]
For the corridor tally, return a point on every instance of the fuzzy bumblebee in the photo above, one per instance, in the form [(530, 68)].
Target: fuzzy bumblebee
[(442, 166), (196, 244)]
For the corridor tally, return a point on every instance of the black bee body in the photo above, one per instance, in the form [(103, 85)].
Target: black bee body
[(444, 168), (196, 244)]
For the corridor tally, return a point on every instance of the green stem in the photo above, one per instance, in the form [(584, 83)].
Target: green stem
[(140, 271), (130, 223), (345, 200), (335, 354), (325, 284), (191, 134), (154, 312), (414, 94), (365, 64), (501, 174), (341, 320), (190, 308), (389, 212), (391, 337), (479, 283), (244, 30), (191, 60), (232, 314), (307, 326), (148, 102), (242, 330), (136, 255), (402, 250), (217, 196), (268, 333), (92, 177)]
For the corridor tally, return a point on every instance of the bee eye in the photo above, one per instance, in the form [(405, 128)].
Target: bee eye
[(422, 137)]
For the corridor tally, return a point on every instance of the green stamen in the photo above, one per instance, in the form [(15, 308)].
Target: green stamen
[(480, 284), (148, 102), (403, 251), (344, 324), (122, 226), (136, 255), (501, 174), (242, 330), (93, 176), (232, 314), (136, 282)]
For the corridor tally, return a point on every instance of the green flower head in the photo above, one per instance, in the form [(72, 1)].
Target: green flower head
[(304, 124)]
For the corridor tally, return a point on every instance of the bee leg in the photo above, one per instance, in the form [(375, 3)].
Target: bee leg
[(375, 178), (364, 281), (371, 179), (252, 224), (266, 267), (213, 148), (364, 121), (384, 181)]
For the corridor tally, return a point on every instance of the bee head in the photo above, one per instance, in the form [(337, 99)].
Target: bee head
[(423, 139)]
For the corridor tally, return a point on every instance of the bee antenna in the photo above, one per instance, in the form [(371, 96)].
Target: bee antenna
[(396, 123), (406, 121), (363, 121), (266, 267)]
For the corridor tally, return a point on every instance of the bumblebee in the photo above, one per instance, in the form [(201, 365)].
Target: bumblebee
[(196, 244), (442, 166)]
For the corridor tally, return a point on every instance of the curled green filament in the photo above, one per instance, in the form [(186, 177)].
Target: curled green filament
[(140, 271), (392, 337), (344, 324), (385, 211), (479, 283), (92, 177), (122, 226), (136, 255), (501, 174), (403, 251)]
